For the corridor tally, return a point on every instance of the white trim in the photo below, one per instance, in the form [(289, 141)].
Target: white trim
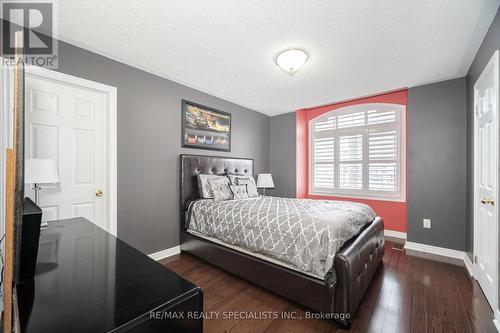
[(494, 61), (6, 95), (6, 108), (496, 320), (4, 132), (444, 252), (440, 251), (111, 93), (165, 253), (395, 234), (67, 78), (469, 265), (356, 196)]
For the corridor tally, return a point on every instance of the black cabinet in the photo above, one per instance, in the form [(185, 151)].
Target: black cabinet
[(89, 281)]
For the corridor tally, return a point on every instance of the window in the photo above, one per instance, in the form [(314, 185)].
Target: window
[(359, 151)]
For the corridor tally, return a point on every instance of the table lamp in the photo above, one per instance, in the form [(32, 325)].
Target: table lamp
[(40, 171), (265, 180)]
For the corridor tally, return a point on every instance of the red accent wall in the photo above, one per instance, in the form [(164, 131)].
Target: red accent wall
[(302, 154), (393, 213)]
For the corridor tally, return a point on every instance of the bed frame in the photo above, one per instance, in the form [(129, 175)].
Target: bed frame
[(338, 295)]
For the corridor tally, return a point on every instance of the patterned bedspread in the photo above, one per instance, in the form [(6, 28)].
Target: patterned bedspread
[(303, 233)]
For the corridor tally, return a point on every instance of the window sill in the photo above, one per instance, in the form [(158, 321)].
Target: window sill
[(358, 196)]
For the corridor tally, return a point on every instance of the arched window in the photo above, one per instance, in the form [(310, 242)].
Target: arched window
[(359, 151)]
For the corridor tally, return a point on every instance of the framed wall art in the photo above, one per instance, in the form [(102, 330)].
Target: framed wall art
[(204, 127)]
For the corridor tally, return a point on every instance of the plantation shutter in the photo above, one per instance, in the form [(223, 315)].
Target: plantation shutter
[(324, 163), (350, 162), (382, 174), (356, 151)]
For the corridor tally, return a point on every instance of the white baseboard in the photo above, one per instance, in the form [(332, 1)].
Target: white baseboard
[(497, 324), (440, 251), (395, 234), (496, 320), (469, 265), (165, 253)]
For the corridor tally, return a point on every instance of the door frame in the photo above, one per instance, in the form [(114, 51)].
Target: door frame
[(493, 64), (111, 93), (6, 95)]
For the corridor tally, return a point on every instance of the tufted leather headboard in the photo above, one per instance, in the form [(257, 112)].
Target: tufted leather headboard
[(192, 165)]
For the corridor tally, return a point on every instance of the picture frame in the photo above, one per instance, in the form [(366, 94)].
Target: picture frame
[(205, 127)]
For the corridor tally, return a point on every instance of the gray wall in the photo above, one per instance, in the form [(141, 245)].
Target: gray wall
[(149, 143), (490, 44), (283, 154), (437, 163)]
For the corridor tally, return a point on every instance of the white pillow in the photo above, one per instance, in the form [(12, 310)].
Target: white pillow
[(220, 188), (204, 186), (239, 191), (245, 180)]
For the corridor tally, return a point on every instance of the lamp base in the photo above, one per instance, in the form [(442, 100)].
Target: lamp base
[(264, 190), (37, 189)]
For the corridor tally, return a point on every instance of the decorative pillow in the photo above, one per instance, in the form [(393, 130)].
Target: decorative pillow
[(204, 186), (250, 184), (233, 178), (239, 191), (220, 188)]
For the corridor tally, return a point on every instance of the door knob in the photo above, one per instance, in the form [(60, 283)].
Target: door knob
[(99, 193), (488, 201)]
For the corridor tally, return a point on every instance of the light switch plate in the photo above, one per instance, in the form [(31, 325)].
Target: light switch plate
[(427, 223)]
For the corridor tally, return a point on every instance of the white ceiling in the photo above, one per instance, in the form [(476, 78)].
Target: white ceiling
[(226, 47)]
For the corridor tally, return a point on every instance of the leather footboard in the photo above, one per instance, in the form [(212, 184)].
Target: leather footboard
[(355, 265)]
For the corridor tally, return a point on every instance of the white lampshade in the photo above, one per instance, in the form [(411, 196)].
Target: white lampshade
[(40, 171), (265, 180)]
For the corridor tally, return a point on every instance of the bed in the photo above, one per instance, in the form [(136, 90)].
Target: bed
[(333, 286)]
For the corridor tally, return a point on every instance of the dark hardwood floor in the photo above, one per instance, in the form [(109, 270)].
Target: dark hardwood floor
[(408, 294)]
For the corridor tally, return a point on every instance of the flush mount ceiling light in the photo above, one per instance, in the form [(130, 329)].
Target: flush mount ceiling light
[(291, 60)]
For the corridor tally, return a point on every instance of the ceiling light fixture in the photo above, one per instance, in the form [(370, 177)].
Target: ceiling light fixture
[(291, 60)]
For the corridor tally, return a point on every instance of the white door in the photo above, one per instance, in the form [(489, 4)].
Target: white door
[(486, 180), (68, 123)]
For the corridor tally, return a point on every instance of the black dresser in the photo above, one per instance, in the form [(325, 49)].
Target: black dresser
[(89, 281)]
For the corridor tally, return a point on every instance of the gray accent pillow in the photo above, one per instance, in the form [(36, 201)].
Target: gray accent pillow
[(204, 187), (239, 191), (220, 188), (250, 184), (233, 178)]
